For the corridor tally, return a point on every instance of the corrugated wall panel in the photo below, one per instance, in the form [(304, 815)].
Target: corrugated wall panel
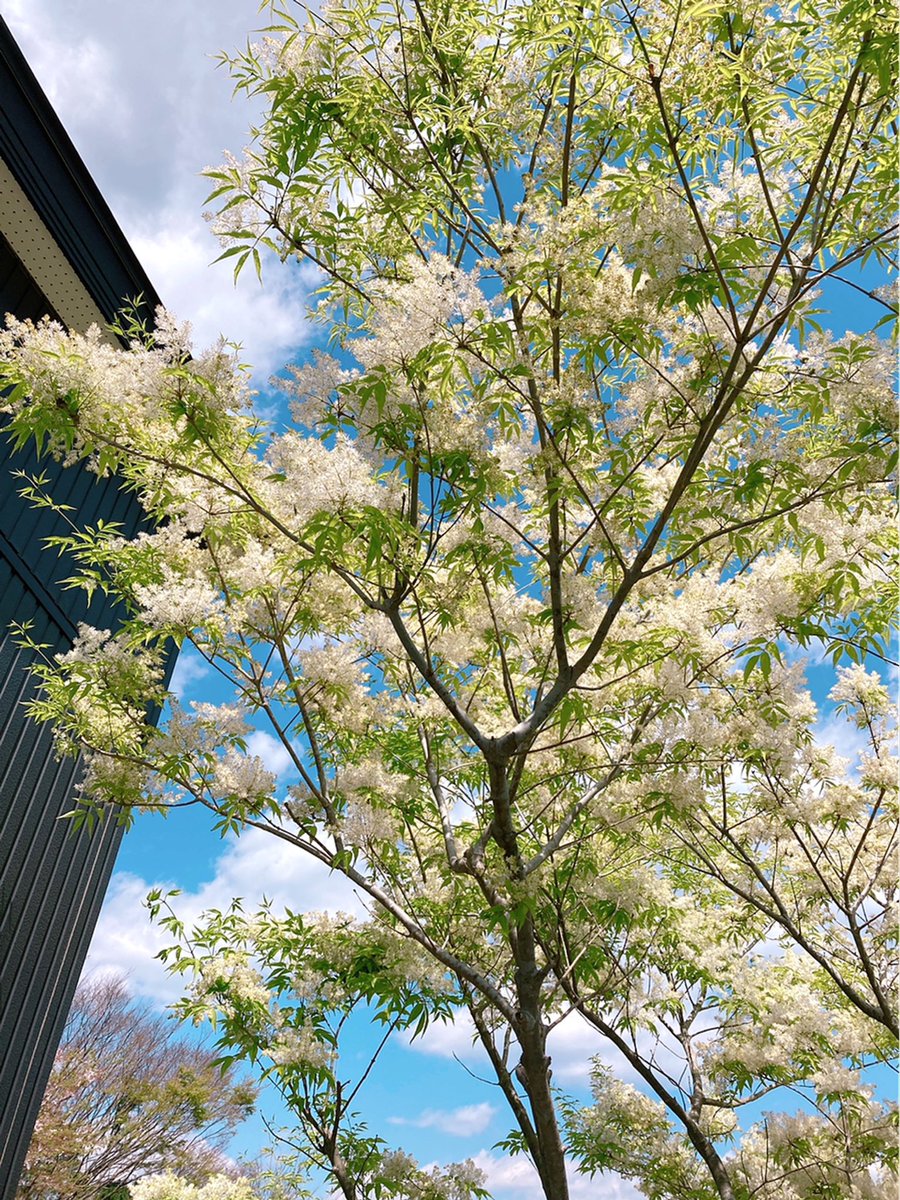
[(74, 262), (52, 877)]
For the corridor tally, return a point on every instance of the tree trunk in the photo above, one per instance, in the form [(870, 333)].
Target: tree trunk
[(535, 1074), (714, 1164), (529, 1028)]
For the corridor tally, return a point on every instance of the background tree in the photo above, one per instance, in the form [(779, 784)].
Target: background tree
[(525, 594), (128, 1097)]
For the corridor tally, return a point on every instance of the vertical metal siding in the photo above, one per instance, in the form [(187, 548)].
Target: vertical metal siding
[(52, 877)]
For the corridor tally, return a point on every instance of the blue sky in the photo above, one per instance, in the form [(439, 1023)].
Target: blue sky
[(139, 92)]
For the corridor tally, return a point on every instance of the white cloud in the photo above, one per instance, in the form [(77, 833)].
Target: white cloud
[(516, 1179), (571, 1045), (138, 89), (83, 69), (274, 753), (455, 1038), (125, 942), (458, 1122), (835, 730), (177, 251), (190, 668), (253, 866)]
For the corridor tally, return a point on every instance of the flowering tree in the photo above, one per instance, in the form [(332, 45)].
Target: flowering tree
[(127, 1098), (166, 1185), (525, 594)]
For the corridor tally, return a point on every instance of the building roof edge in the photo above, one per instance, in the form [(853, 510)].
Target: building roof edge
[(42, 158)]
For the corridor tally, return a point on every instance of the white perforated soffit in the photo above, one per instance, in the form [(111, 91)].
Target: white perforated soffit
[(43, 259)]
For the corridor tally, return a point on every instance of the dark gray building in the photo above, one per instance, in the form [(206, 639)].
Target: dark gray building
[(61, 254)]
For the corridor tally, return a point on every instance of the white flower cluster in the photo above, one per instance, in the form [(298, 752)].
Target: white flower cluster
[(252, 567), (241, 777), (169, 1186), (105, 685), (628, 1132), (411, 963), (310, 478), (297, 1045), (313, 385), (342, 688), (110, 778), (179, 601), (172, 335), (633, 888), (660, 238), (878, 771), (861, 693), (769, 594), (89, 393), (435, 301), (233, 973), (249, 212), (363, 825), (196, 736), (548, 236), (89, 645), (453, 1182), (799, 1155), (783, 1026)]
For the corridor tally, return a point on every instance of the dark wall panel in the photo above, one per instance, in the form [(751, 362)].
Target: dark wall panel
[(52, 877), (51, 883)]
